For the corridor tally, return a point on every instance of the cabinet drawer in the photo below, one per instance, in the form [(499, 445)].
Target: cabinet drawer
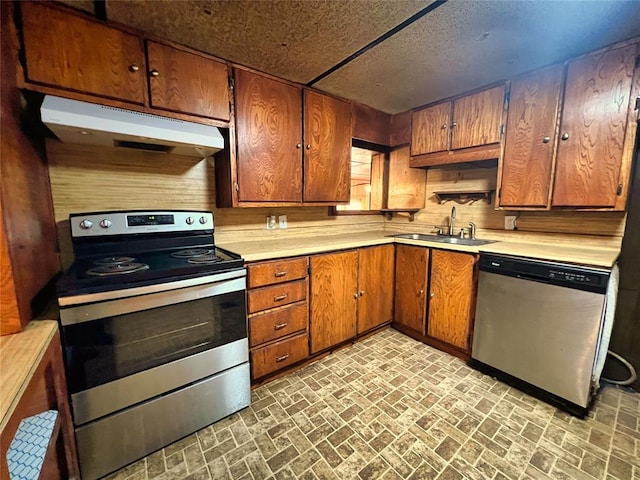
[(276, 295), (279, 271), (278, 323), (279, 355)]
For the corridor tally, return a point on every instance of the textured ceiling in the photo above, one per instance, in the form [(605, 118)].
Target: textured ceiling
[(459, 46), (293, 39)]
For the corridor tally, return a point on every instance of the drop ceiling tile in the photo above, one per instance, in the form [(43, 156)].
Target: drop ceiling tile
[(293, 39), (462, 45)]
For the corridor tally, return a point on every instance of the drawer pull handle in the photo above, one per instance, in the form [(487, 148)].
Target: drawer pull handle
[(280, 326), (279, 298), (282, 358), (279, 274)]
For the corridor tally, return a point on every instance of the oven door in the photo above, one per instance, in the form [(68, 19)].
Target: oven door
[(123, 351)]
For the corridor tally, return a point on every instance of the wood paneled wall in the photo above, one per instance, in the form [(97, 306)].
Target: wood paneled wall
[(87, 178), (608, 225)]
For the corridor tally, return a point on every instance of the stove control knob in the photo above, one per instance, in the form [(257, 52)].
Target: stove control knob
[(86, 224), (190, 220), (106, 223), (203, 220)]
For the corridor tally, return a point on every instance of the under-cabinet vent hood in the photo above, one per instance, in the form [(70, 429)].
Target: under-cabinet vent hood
[(90, 124)]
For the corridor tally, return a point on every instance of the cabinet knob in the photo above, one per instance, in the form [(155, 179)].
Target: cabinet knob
[(546, 140), (133, 68), (443, 127), (565, 136), (420, 292), (355, 295), (454, 124), (154, 73), (361, 292), (308, 146), (432, 295), (298, 145)]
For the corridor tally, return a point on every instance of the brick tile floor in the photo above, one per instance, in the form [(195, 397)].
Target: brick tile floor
[(392, 408)]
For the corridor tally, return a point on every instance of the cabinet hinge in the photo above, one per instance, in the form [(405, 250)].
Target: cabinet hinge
[(499, 192), (619, 190), (236, 186), (502, 129), (637, 61), (232, 83), (637, 106)]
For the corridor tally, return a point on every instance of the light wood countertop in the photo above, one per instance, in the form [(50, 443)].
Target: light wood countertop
[(20, 354), (253, 251)]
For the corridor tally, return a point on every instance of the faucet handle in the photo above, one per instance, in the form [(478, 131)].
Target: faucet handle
[(438, 229), (472, 230)]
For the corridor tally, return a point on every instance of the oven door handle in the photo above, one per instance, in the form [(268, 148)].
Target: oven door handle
[(110, 308)]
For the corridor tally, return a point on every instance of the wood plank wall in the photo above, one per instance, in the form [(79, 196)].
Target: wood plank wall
[(608, 226), (88, 179)]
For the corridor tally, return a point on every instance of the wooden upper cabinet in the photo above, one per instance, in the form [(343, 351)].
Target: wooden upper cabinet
[(592, 141), (477, 119), (334, 299), (411, 286), (407, 186), (451, 297), (430, 129), (375, 286), (327, 149), (79, 54), (269, 136), (184, 82), (530, 139)]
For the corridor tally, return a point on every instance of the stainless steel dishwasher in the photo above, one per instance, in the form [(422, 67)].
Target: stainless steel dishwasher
[(540, 323)]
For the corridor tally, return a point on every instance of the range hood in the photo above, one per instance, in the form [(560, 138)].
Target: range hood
[(90, 124)]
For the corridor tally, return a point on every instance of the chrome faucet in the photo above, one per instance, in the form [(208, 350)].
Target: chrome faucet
[(452, 220), (472, 230)]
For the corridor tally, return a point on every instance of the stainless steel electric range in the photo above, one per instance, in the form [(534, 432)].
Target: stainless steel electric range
[(153, 321)]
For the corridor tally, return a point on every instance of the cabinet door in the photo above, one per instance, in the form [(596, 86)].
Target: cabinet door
[(407, 186), (477, 118), (430, 129), (375, 282), (334, 287), (187, 83), (269, 133), (411, 286), (451, 297), (530, 139), (71, 52), (327, 152), (592, 131)]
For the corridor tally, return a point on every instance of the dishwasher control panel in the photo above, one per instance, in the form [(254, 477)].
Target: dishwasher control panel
[(566, 275)]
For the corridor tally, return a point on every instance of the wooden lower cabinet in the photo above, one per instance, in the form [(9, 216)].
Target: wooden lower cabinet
[(278, 314), (375, 287), (351, 293), (412, 266), (435, 293), (334, 299), (452, 297)]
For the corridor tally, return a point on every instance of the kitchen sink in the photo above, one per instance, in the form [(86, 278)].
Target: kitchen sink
[(443, 239)]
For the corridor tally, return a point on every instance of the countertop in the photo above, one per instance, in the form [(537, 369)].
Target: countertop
[(256, 250), (20, 355)]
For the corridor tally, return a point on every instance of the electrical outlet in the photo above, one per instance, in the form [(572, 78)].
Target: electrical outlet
[(510, 222), (271, 222), (282, 219)]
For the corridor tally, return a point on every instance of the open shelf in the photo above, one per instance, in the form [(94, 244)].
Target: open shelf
[(464, 196), (388, 214)]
